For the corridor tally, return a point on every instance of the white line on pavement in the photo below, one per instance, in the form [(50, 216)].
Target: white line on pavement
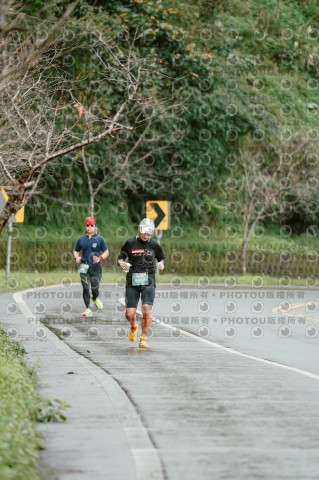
[(146, 459), (229, 350)]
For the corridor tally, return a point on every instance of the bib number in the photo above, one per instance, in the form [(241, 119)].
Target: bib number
[(83, 268), (139, 279)]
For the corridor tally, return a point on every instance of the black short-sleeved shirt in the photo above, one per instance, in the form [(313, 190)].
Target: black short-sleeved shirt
[(141, 256)]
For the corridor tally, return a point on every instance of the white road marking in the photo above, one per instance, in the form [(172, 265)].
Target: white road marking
[(146, 459), (230, 350)]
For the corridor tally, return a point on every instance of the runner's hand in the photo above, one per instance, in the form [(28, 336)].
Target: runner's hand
[(125, 266), (161, 266), (96, 259)]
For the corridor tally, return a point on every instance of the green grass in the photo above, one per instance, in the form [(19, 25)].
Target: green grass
[(22, 280), (19, 442)]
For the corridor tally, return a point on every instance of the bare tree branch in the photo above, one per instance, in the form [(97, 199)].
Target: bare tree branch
[(263, 188), (38, 112)]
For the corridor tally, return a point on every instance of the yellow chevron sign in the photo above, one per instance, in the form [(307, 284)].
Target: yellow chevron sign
[(159, 212), (19, 216)]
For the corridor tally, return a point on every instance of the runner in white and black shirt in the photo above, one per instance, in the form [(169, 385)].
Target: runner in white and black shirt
[(140, 253)]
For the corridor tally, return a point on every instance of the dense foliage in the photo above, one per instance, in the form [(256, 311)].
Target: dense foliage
[(244, 77)]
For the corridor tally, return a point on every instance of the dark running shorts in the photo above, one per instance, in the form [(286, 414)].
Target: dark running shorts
[(133, 294)]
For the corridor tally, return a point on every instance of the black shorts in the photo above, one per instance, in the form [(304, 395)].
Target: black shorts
[(133, 294)]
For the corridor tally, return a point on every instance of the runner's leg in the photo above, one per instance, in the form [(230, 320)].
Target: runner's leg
[(148, 295), (85, 280), (96, 275), (132, 296), (147, 319)]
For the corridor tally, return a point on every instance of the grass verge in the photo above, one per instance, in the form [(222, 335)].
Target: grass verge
[(21, 407), (19, 403), (20, 280)]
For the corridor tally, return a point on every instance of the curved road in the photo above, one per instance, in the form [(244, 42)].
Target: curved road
[(228, 390)]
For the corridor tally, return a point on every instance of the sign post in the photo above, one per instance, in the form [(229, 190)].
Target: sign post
[(8, 249), (159, 212)]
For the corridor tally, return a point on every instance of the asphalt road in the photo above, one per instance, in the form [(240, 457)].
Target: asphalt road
[(228, 390)]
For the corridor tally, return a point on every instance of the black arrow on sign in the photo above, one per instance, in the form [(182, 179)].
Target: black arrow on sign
[(160, 214)]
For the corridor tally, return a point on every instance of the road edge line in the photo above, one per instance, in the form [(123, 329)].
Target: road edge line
[(145, 457), (121, 301)]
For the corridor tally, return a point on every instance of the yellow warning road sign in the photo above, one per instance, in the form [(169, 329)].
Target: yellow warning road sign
[(19, 216), (159, 212)]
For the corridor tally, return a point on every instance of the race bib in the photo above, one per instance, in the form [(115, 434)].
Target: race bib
[(83, 268), (139, 279)]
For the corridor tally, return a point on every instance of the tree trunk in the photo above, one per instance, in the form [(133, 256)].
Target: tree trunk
[(87, 170), (247, 234), (243, 257)]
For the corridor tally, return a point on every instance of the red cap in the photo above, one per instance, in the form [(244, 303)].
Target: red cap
[(90, 221)]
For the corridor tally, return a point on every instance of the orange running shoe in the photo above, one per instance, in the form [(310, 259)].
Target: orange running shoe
[(133, 333), (143, 343)]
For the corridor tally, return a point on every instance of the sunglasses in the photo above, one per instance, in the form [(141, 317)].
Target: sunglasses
[(89, 225)]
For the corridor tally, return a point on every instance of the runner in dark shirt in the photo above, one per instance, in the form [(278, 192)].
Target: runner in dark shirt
[(94, 249), (141, 251)]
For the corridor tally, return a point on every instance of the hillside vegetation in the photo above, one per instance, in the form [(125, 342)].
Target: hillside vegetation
[(236, 145), (245, 80)]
